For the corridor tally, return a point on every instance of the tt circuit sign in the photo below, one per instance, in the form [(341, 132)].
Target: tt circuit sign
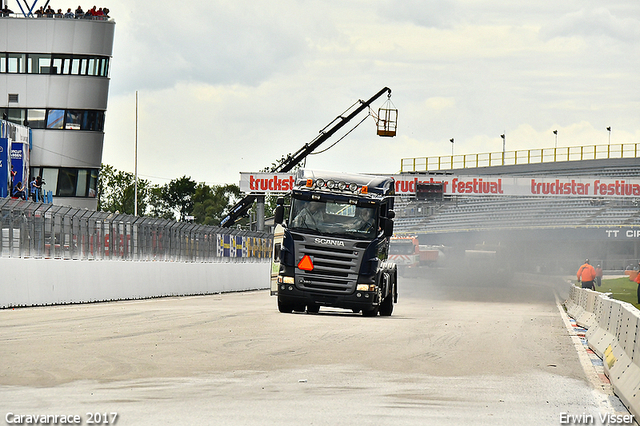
[(280, 183)]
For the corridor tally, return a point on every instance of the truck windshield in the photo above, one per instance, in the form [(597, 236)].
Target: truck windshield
[(335, 219)]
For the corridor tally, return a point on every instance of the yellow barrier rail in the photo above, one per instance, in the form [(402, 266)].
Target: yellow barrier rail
[(510, 158)]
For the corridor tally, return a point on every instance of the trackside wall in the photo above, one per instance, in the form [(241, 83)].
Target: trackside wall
[(614, 334), (34, 282)]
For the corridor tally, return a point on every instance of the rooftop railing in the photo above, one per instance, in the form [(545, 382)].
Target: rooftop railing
[(510, 158)]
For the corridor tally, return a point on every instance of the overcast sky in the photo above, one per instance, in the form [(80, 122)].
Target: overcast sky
[(231, 86)]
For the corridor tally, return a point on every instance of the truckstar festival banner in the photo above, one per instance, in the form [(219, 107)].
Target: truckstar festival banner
[(474, 185)]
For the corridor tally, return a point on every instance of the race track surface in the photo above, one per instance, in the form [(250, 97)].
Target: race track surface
[(494, 351)]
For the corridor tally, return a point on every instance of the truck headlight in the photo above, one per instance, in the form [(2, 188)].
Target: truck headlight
[(285, 280), (366, 287)]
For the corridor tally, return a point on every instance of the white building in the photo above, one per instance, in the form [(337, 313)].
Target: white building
[(54, 78)]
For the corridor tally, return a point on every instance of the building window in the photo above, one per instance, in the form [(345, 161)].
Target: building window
[(68, 181), (55, 119), (35, 118), (39, 64), (60, 64), (16, 63), (16, 115), (74, 120)]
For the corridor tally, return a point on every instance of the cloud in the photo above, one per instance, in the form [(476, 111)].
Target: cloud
[(232, 86), (423, 13), (218, 42), (590, 23)]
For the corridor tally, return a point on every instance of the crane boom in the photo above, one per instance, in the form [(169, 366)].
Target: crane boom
[(291, 161)]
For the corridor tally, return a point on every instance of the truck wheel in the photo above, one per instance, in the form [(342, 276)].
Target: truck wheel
[(386, 308), (284, 307), (313, 309)]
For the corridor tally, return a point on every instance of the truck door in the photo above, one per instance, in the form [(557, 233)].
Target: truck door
[(278, 236)]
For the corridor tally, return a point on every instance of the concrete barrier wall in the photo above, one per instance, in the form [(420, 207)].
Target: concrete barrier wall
[(34, 282), (614, 334)]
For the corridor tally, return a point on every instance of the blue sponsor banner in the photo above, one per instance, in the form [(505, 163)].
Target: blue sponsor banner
[(20, 162), (238, 247), (5, 169), (227, 245)]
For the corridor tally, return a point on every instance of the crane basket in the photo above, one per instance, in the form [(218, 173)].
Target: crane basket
[(387, 119)]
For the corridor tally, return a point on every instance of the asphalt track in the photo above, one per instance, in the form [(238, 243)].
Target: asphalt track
[(494, 351)]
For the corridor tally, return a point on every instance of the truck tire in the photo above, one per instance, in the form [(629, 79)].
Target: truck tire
[(386, 308), (284, 307)]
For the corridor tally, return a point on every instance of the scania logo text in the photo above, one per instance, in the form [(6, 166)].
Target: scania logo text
[(329, 242)]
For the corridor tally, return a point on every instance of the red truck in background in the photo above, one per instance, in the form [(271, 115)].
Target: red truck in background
[(430, 255), (408, 254)]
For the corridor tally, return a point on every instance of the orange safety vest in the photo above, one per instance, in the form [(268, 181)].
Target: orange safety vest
[(586, 273)]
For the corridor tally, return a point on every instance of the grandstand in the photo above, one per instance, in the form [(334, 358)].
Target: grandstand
[(549, 232)]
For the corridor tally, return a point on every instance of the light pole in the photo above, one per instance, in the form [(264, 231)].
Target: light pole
[(504, 141), (609, 130), (135, 160), (451, 140), (555, 132)]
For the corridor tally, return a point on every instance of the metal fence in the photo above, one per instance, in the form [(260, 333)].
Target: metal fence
[(38, 230), (510, 158)]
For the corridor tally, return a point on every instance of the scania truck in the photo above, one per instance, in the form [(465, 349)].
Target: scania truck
[(332, 250)]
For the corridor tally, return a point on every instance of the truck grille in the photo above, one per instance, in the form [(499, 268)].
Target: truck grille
[(335, 269)]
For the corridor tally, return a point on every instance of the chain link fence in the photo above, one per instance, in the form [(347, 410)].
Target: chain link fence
[(47, 231)]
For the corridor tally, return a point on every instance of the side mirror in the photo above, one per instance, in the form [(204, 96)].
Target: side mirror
[(391, 214), (388, 227), (278, 215)]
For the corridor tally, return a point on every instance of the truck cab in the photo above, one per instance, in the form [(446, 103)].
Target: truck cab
[(335, 244)]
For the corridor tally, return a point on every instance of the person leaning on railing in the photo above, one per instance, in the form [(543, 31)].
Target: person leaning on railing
[(5, 11)]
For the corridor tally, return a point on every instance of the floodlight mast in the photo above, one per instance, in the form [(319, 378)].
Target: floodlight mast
[(291, 161)]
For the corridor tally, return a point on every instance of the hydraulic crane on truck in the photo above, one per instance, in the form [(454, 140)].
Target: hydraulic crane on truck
[(386, 122)]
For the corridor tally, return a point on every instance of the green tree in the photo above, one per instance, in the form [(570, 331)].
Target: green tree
[(211, 202), (178, 195), (158, 206), (116, 191)]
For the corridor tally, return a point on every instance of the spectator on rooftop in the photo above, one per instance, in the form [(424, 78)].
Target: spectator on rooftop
[(49, 12), (69, 14), (6, 11), (40, 12), (59, 14), (79, 13)]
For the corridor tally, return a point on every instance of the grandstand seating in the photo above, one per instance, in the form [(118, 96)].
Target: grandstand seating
[(478, 213), (489, 213)]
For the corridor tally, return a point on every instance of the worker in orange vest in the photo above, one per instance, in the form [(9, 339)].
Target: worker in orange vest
[(586, 274)]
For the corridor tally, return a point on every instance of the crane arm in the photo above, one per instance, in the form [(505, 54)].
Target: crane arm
[(291, 161)]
